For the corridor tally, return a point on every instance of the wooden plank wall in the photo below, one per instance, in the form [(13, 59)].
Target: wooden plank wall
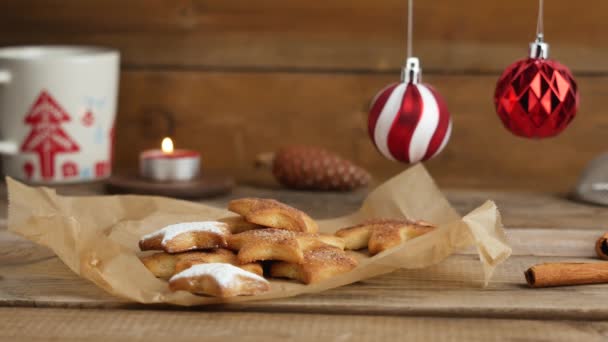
[(236, 78)]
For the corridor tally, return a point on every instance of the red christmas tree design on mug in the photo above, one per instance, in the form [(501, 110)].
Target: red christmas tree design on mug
[(47, 138)]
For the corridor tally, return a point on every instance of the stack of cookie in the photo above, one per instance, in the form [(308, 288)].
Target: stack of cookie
[(231, 256), (227, 257)]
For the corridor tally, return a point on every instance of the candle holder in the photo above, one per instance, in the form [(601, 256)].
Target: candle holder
[(172, 173), (168, 164)]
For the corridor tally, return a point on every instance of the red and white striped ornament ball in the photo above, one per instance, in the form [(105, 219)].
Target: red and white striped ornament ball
[(409, 121)]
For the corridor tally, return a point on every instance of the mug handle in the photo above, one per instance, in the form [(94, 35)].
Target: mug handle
[(7, 147), (5, 76)]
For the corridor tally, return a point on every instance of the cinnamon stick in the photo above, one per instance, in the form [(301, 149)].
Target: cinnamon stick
[(601, 247), (561, 274)]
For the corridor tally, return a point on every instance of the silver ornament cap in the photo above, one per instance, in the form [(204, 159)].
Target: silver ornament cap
[(411, 73), (538, 48)]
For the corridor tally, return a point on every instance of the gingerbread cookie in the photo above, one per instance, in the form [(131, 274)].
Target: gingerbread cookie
[(273, 214), (219, 280), (187, 236)]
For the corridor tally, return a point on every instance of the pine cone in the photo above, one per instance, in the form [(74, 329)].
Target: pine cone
[(314, 168)]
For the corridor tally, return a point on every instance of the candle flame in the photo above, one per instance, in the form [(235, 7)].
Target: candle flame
[(167, 145)]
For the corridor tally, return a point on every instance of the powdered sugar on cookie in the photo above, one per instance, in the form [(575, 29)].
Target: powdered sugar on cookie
[(225, 274), (171, 231)]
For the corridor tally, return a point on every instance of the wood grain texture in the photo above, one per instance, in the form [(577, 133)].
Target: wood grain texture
[(524, 212), (265, 111), (528, 211), (535, 209), (235, 78), (122, 325), (436, 291), (471, 35), (524, 242), (430, 304)]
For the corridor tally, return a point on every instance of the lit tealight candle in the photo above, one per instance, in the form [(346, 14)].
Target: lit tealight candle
[(169, 164)]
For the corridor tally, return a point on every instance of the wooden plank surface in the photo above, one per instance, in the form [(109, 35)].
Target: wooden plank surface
[(525, 210), (535, 210), (304, 72), (436, 291), (135, 325), (266, 111), (470, 35)]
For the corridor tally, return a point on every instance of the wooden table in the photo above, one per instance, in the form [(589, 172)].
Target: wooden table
[(41, 299)]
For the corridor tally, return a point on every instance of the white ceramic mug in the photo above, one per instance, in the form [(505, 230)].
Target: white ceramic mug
[(57, 112)]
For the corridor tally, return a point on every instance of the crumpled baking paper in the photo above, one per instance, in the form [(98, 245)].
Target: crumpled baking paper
[(97, 237)]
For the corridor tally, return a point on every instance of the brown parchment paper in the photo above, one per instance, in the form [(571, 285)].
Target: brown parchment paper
[(97, 236)]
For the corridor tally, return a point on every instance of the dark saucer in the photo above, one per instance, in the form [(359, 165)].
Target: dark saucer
[(203, 187)]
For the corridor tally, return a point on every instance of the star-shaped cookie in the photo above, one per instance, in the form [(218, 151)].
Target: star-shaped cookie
[(220, 280), (267, 244), (238, 224), (380, 235), (187, 236), (320, 263), (164, 265), (277, 244), (273, 214)]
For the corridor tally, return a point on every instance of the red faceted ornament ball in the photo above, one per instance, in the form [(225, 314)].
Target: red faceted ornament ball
[(536, 98)]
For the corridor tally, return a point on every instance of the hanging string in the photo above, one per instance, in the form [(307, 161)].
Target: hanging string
[(410, 26), (539, 24)]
